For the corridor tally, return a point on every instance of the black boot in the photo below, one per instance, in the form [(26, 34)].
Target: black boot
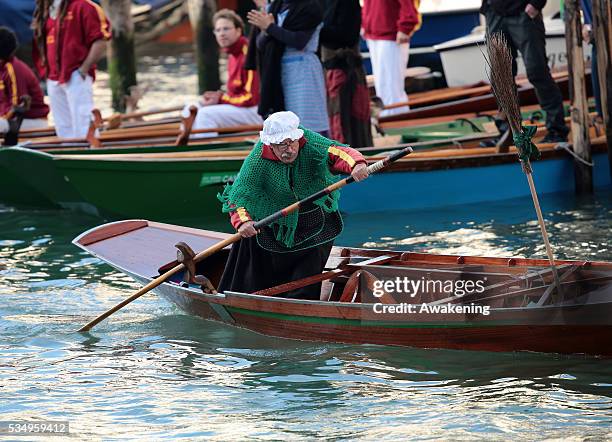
[(11, 138)]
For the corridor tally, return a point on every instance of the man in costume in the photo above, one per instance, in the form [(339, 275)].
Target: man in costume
[(237, 106), (289, 163), (18, 80), (388, 26), (69, 38)]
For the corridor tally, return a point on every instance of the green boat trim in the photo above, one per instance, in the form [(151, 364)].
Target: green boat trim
[(363, 323)]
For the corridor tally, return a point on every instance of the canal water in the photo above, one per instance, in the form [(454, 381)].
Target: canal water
[(151, 372)]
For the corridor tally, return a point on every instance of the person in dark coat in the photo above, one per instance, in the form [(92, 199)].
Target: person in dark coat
[(284, 45), (521, 23), (347, 92)]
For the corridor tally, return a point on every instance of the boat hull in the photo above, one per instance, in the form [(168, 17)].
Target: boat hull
[(463, 61), (185, 188), (304, 321), (422, 188), (41, 184), (159, 190), (580, 323)]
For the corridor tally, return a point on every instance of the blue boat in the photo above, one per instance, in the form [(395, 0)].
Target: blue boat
[(17, 15), (424, 181)]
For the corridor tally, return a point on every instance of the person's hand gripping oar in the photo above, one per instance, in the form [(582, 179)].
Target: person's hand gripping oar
[(373, 168)]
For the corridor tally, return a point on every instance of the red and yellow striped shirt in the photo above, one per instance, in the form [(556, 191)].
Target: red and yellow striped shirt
[(242, 85), (17, 79)]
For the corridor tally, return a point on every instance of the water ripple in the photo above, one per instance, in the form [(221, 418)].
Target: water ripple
[(152, 373)]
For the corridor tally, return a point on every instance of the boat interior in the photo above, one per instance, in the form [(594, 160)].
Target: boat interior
[(390, 277), (355, 275)]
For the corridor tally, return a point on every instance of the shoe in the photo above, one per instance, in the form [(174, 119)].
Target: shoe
[(489, 143), (502, 125), (11, 138), (554, 136)]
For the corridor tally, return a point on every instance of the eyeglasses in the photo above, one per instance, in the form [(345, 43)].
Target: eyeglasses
[(220, 30), (285, 145)]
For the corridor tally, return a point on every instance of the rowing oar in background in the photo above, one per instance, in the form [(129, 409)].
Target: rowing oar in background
[(373, 168), (499, 60)]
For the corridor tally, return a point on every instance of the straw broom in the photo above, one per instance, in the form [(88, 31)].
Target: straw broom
[(499, 61)]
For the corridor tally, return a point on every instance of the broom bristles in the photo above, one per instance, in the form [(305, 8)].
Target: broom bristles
[(499, 61)]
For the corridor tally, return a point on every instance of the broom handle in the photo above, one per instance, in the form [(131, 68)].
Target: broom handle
[(549, 252)]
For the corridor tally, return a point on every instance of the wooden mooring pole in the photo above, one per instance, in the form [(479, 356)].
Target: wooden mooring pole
[(206, 51), (602, 35), (120, 52), (579, 108)]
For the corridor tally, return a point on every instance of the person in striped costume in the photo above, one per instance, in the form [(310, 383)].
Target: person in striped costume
[(70, 38), (238, 104)]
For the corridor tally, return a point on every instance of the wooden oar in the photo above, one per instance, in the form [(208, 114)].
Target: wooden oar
[(372, 168), (147, 113)]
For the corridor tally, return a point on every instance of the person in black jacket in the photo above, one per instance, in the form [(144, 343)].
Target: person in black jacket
[(283, 48), (348, 98), (521, 23)]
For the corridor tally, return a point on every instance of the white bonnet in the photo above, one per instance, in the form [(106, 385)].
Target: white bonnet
[(280, 126)]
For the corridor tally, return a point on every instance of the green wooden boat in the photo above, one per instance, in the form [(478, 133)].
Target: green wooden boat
[(182, 187), (20, 190), (49, 189), (164, 185)]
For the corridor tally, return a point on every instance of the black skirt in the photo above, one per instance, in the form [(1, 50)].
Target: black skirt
[(251, 268)]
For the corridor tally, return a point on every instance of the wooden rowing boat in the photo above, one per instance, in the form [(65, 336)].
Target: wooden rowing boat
[(523, 312), (476, 103), (15, 190), (180, 186), (20, 189)]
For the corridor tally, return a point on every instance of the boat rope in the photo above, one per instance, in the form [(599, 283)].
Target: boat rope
[(464, 121), (566, 147)]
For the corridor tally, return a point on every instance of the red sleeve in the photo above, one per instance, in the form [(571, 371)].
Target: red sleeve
[(239, 216), (409, 17), (343, 159), (33, 89), (95, 24)]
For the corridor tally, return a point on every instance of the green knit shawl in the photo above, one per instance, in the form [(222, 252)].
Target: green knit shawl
[(262, 186)]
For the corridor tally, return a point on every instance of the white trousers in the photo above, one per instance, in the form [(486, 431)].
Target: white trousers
[(71, 105), (222, 115), (26, 124), (389, 61)]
